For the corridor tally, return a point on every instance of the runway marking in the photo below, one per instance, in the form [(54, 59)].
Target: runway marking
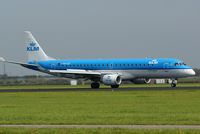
[(101, 89), (106, 126)]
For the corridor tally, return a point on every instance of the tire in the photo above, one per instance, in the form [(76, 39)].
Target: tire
[(114, 86), (173, 85), (95, 85)]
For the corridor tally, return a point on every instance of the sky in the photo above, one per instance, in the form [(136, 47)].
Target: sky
[(88, 29)]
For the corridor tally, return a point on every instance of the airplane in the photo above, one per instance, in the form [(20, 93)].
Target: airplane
[(110, 72)]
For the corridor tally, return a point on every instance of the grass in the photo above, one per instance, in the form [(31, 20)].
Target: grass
[(96, 131), (102, 107)]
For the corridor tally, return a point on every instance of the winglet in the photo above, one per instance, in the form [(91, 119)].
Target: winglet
[(2, 59)]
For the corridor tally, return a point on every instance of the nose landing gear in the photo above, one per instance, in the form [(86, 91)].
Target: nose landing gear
[(173, 83)]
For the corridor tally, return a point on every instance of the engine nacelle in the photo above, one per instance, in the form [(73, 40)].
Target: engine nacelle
[(141, 81), (111, 79)]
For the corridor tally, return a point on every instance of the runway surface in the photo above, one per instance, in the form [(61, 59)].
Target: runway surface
[(106, 126), (101, 89)]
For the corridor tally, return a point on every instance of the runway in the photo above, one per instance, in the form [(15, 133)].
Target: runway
[(101, 89), (106, 126)]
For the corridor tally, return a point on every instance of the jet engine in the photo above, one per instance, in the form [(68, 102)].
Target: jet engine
[(111, 79)]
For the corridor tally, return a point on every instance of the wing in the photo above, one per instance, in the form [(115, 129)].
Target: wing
[(76, 73)]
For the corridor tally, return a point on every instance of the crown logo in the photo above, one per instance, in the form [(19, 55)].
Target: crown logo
[(32, 44)]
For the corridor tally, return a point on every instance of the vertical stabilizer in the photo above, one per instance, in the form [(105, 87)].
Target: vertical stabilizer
[(34, 50)]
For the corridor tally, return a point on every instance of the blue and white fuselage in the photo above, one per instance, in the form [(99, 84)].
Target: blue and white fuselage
[(108, 71), (127, 68)]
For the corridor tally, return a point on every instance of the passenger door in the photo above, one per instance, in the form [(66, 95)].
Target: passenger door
[(53, 66), (166, 65)]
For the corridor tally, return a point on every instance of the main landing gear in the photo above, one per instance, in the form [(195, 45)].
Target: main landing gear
[(95, 85), (173, 83), (114, 86)]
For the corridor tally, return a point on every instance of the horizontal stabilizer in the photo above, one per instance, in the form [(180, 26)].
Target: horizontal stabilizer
[(19, 63), (2, 59)]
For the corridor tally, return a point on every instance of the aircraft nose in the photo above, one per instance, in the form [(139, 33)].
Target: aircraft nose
[(191, 72)]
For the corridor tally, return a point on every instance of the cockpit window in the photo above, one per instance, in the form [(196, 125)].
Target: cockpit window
[(180, 64)]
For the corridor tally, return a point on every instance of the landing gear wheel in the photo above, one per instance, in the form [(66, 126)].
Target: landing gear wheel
[(173, 85), (95, 85), (114, 86), (174, 82)]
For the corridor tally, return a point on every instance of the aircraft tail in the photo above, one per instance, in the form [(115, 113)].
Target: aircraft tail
[(34, 50)]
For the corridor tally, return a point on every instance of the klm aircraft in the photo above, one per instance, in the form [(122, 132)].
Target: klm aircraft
[(110, 72)]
